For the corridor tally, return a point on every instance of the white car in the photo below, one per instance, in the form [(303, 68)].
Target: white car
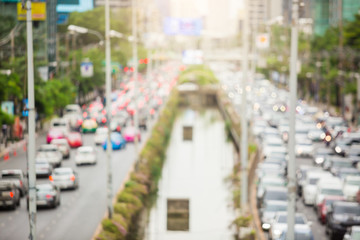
[(328, 187), (61, 124), (50, 153), (279, 224), (100, 135), (85, 155), (65, 178), (304, 148), (63, 146), (351, 187), (310, 185)]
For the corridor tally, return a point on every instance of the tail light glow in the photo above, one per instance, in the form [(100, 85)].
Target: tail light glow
[(48, 196), (72, 178), (51, 178), (11, 194)]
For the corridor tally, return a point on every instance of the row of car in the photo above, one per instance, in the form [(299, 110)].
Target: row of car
[(329, 185)]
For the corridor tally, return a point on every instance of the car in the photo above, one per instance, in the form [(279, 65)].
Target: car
[(268, 212), (341, 146), (75, 120), (63, 146), (101, 135), (130, 132), (351, 186), (301, 232), (9, 194), (85, 155), (301, 173), (353, 233), (50, 153), (72, 109), (61, 124), (316, 135), (327, 187), (320, 154), (47, 195), (54, 133), (304, 148), (65, 178), (268, 181), (279, 224), (74, 139), (310, 185), (325, 206), (43, 168), (342, 215), (337, 164), (17, 176), (117, 141), (273, 194), (89, 125)]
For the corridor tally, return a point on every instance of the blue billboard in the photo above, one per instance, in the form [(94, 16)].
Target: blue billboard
[(67, 6), (183, 26)]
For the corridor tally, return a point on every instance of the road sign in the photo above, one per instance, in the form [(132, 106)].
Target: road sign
[(87, 69)]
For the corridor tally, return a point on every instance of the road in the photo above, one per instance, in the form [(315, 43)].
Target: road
[(81, 210)]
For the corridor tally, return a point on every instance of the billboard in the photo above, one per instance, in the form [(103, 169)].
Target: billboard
[(8, 107), (38, 11), (183, 26)]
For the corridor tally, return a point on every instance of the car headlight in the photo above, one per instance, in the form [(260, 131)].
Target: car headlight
[(338, 149), (322, 135), (276, 233), (319, 160), (266, 226)]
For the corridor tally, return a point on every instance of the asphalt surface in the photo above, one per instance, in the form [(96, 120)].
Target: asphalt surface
[(80, 210)]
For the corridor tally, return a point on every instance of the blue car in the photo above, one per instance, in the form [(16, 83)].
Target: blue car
[(117, 141)]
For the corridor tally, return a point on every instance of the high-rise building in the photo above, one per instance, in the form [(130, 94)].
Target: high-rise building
[(328, 13)]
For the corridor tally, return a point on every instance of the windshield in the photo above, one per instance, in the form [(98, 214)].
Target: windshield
[(276, 208), (313, 181), (10, 175), (347, 210), (331, 191), (341, 164), (44, 188), (62, 172), (276, 195), (298, 219)]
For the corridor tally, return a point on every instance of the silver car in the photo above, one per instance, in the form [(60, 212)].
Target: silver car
[(47, 195), (43, 168), (63, 146), (65, 178), (85, 155)]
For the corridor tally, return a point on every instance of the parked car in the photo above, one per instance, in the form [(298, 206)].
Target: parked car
[(75, 139), (325, 206), (117, 141), (50, 153), (16, 176), (43, 168), (301, 232), (310, 186), (268, 181), (9, 194), (47, 195), (101, 135), (273, 194), (63, 146), (85, 155), (327, 187), (342, 216), (65, 178)]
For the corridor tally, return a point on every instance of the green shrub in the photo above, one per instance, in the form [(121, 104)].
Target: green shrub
[(124, 209), (105, 235), (127, 197), (111, 226)]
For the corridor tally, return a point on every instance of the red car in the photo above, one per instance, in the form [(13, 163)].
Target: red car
[(130, 132), (74, 139), (323, 207), (54, 134)]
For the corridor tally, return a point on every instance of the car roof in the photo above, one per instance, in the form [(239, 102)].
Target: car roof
[(85, 148), (48, 146), (352, 177), (63, 169), (277, 189), (276, 202), (343, 203)]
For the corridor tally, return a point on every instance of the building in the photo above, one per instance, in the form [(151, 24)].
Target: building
[(328, 13)]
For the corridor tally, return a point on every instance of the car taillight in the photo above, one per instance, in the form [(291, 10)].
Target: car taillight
[(72, 178), (11, 194), (48, 196), (51, 178), (103, 120), (80, 121), (118, 128), (21, 183)]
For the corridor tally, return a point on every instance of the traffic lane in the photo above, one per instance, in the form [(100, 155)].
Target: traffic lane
[(81, 210)]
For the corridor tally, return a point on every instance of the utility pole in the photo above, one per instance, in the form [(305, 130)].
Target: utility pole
[(290, 235), (108, 106), (341, 57), (31, 123), (135, 59), (244, 127)]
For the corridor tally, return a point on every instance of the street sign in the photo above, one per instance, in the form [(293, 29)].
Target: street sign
[(38, 11), (262, 41), (87, 69)]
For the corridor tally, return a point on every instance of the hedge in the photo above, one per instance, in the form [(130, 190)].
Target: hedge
[(140, 191)]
